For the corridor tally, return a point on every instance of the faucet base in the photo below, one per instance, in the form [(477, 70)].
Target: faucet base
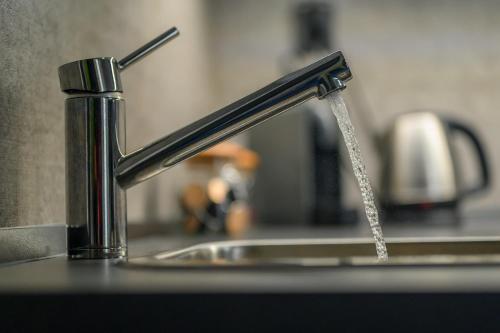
[(115, 253)]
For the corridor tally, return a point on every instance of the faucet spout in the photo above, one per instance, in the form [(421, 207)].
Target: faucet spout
[(316, 80)]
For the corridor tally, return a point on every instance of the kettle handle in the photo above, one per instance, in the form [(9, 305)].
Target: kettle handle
[(485, 181)]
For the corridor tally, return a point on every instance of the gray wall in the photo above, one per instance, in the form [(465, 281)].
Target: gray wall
[(36, 36)]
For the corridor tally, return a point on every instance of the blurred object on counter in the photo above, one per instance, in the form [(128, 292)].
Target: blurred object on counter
[(219, 203), (244, 159), (194, 201), (299, 181), (420, 169)]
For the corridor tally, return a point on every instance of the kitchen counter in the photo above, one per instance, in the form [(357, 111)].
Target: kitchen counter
[(299, 299)]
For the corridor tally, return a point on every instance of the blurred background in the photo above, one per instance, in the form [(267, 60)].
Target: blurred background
[(405, 55)]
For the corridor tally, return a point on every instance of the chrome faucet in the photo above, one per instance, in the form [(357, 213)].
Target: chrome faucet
[(98, 170)]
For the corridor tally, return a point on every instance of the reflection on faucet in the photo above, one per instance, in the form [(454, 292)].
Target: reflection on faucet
[(98, 171)]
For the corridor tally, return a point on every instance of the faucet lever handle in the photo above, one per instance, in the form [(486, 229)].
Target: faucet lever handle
[(147, 48)]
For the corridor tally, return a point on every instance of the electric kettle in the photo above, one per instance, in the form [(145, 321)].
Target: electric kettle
[(420, 165)]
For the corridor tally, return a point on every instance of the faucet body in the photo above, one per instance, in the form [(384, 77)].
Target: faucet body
[(98, 169), (96, 205)]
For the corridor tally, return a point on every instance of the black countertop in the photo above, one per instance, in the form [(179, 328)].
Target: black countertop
[(59, 275), (296, 299)]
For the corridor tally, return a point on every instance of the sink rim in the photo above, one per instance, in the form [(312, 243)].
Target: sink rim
[(173, 258)]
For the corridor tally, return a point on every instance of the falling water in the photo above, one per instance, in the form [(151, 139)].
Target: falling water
[(340, 111)]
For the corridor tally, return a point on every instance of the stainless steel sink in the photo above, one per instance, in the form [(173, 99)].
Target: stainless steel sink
[(327, 252)]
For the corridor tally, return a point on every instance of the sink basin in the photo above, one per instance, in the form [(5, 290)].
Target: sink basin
[(327, 252)]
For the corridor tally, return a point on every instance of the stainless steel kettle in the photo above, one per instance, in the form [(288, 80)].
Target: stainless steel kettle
[(420, 166)]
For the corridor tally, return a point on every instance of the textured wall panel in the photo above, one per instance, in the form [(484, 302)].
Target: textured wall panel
[(38, 36)]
